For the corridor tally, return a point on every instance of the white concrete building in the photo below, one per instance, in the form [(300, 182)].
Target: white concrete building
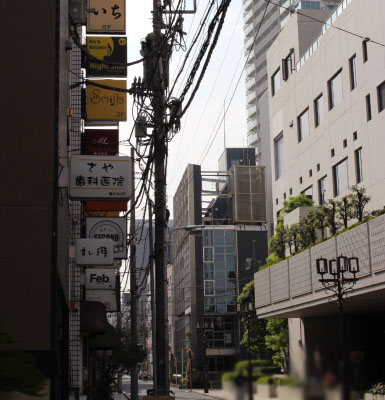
[(326, 119), (327, 133)]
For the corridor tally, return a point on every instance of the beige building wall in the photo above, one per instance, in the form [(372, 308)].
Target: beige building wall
[(307, 161)]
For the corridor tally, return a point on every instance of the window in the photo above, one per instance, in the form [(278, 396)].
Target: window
[(353, 72), (300, 180), (381, 96), (358, 159), (332, 152), (208, 254), (318, 110), (368, 108), (310, 173), (275, 82), (209, 288), (287, 65), (318, 167), (341, 177), (278, 154), (365, 50), (308, 192), (355, 136), (303, 125), (323, 190), (335, 89), (291, 191), (345, 143)]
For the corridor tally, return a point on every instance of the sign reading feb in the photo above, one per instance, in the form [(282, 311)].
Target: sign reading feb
[(94, 252), (97, 278), (100, 177)]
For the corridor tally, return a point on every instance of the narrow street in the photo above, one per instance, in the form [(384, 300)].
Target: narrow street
[(181, 394)]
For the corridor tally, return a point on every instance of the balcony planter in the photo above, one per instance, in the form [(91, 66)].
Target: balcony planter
[(265, 387), (290, 393), (370, 396)]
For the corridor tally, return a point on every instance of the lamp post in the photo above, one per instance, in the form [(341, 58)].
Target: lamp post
[(343, 271), (247, 310), (206, 327)]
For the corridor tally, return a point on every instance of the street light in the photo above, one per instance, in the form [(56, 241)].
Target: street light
[(206, 327), (340, 285), (247, 309)]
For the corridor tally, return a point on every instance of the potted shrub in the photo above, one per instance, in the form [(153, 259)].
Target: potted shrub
[(265, 386), (376, 392), (290, 388), (228, 383)]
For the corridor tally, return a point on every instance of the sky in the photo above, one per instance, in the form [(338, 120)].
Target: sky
[(202, 119)]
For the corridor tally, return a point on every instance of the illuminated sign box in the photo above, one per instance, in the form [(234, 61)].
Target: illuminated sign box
[(110, 228), (94, 252), (109, 49), (101, 142), (106, 104), (97, 278), (100, 177), (108, 16), (106, 206), (107, 297)]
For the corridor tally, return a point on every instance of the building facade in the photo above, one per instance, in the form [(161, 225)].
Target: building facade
[(326, 123), (214, 250)]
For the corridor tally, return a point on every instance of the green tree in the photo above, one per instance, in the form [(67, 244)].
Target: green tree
[(277, 339), (293, 238), (331, 216), (359, 200), (257, 326), (18, 371), (277, 242), (344, 210), (306, 232), (319, 216)]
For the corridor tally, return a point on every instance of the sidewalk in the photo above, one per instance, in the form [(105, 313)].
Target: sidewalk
[(221, 394)]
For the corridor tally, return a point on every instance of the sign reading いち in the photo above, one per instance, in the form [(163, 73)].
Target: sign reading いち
[(107, 16), (100, 177)]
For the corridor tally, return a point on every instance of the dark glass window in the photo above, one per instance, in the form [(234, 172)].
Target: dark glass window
[(303, 125), (358, 160), (335, 89), (381, 96), (341, 177), (318, 110), (353, 72), (323, 190)]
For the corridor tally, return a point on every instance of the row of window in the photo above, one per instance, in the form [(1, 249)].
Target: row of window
[(334, 84), (340, 175)]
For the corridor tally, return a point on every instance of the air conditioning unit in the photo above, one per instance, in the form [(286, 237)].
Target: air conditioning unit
[(77, 10)]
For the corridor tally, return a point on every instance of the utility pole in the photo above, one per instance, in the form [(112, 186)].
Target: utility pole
[(162, 367), (134, 369), (153, 311)]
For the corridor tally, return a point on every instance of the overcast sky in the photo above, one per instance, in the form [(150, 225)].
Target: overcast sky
[(200, 122)]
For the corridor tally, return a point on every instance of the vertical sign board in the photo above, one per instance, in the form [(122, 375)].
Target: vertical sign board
[(94, 252), (101, 142), (106, 104), (108, 16), (110, 228), (100, 177), (96, 278), (110, 49)]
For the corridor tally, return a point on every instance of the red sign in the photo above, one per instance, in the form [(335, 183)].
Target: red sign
[(106, 206), (101, 142)]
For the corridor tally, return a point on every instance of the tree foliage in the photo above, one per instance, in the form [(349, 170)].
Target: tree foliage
[(359, 200), (277, 242), (277, 339), (294, 202), (18, 371), (344, 210)]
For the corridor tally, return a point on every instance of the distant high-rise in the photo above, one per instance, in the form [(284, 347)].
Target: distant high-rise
[(262, 23)]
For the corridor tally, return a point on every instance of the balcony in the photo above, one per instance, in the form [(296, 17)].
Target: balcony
[(247, 5), (251, 97), (248, 30), (250, 83), (252, 124), (251, 111), (291, 288)]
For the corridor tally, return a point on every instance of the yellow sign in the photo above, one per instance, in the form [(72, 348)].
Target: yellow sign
[(108, 16), (105, 104)]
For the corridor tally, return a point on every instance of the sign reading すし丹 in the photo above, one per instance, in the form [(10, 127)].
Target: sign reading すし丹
[(100, 177), (94, 252)]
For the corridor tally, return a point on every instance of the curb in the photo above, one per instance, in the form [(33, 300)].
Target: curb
[(209, 395)]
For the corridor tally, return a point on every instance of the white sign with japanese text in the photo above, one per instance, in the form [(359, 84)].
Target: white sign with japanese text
[(94, 252), (100, 177), (110, 228), (96, 278), (107, 297), (107, 16)]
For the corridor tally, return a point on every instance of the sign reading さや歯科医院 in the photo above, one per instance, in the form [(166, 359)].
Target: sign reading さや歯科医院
[(100, 177)]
